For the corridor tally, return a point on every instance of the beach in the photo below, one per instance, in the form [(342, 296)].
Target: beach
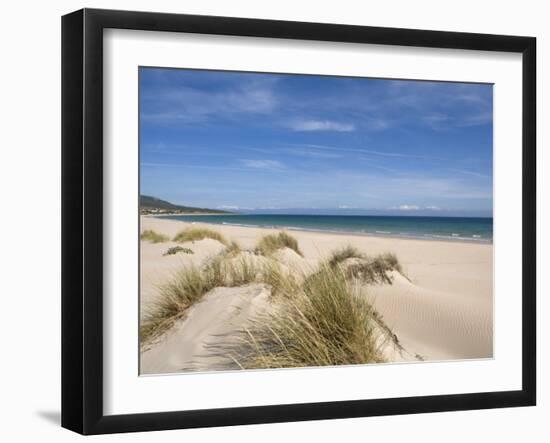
[(440, 307)]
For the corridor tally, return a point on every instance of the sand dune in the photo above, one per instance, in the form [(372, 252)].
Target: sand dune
[(218, 318), (442, 310), (436, 325), (157, 268)]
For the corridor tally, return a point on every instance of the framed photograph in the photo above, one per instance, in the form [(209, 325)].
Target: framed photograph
[(269, 221)]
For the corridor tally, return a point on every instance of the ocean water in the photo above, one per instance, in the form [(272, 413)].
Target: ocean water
[(436, 228)]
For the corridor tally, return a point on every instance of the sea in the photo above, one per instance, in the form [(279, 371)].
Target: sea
[(472, 229)]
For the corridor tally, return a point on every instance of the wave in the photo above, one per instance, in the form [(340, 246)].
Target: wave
[(242, 225)]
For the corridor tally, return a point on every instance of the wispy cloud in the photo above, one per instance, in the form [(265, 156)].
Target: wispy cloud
[(190, 166), (479, 118), (415, 208), (471, 173), (321, 125), (189, 105), (263, 164), (440, 105), (229, 139), (407, 207), (310, 152), (376, 152)]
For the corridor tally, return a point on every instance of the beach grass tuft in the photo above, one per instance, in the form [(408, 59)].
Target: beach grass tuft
[(188, 286), (153, 236), (374, 270), (273, 242), (196, 234), (176, 249), (281, 280), (232, 249), (325, 323), (343, 254), (369, 270)]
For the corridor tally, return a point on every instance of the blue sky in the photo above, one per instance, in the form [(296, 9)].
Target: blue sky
[(269, 142)]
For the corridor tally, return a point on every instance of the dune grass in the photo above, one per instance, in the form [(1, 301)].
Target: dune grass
[(369, 270), (176, 249), (273, 242), (375, 270), (325, 323), (232, 249), (195, 234), (283, 282), (320, 319), (343, 254), (188, 286), (153, 236)]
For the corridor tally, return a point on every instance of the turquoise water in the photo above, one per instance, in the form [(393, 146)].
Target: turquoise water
[(436, 228)]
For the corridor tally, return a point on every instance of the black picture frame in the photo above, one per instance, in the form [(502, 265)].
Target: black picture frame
[(82, 218)]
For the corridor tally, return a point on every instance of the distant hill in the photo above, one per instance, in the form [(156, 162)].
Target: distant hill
[(153, 205)]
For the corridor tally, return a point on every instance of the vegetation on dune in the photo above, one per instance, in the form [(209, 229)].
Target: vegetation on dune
[(343, 254), (188, 286), (369, 270), (195, 234), (375, 270), (232, 249), (323, 323), (321, 319), (175, 249), (153, 236), (283, 282), (273, 242)]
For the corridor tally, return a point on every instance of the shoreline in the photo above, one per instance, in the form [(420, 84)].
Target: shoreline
[(442, 239)]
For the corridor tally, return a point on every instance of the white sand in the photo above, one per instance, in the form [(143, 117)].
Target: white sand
[(218, 318), (444, 312)]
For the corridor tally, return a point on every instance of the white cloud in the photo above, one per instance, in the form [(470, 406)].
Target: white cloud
[(321, 125), (407, 208), (228, 207), (472, 173), (192, 105), (311, 152), (415, 208), (377, 153), (263, 164)]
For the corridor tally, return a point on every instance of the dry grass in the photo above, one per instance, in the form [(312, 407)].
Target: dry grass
[(153, 236), (232, 249), (368, 270), (324, 323), (281, 280), (195, 234), (176, 249), (374, 270), (188, 286), (273, 242), (343, 254), (323, 319)]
